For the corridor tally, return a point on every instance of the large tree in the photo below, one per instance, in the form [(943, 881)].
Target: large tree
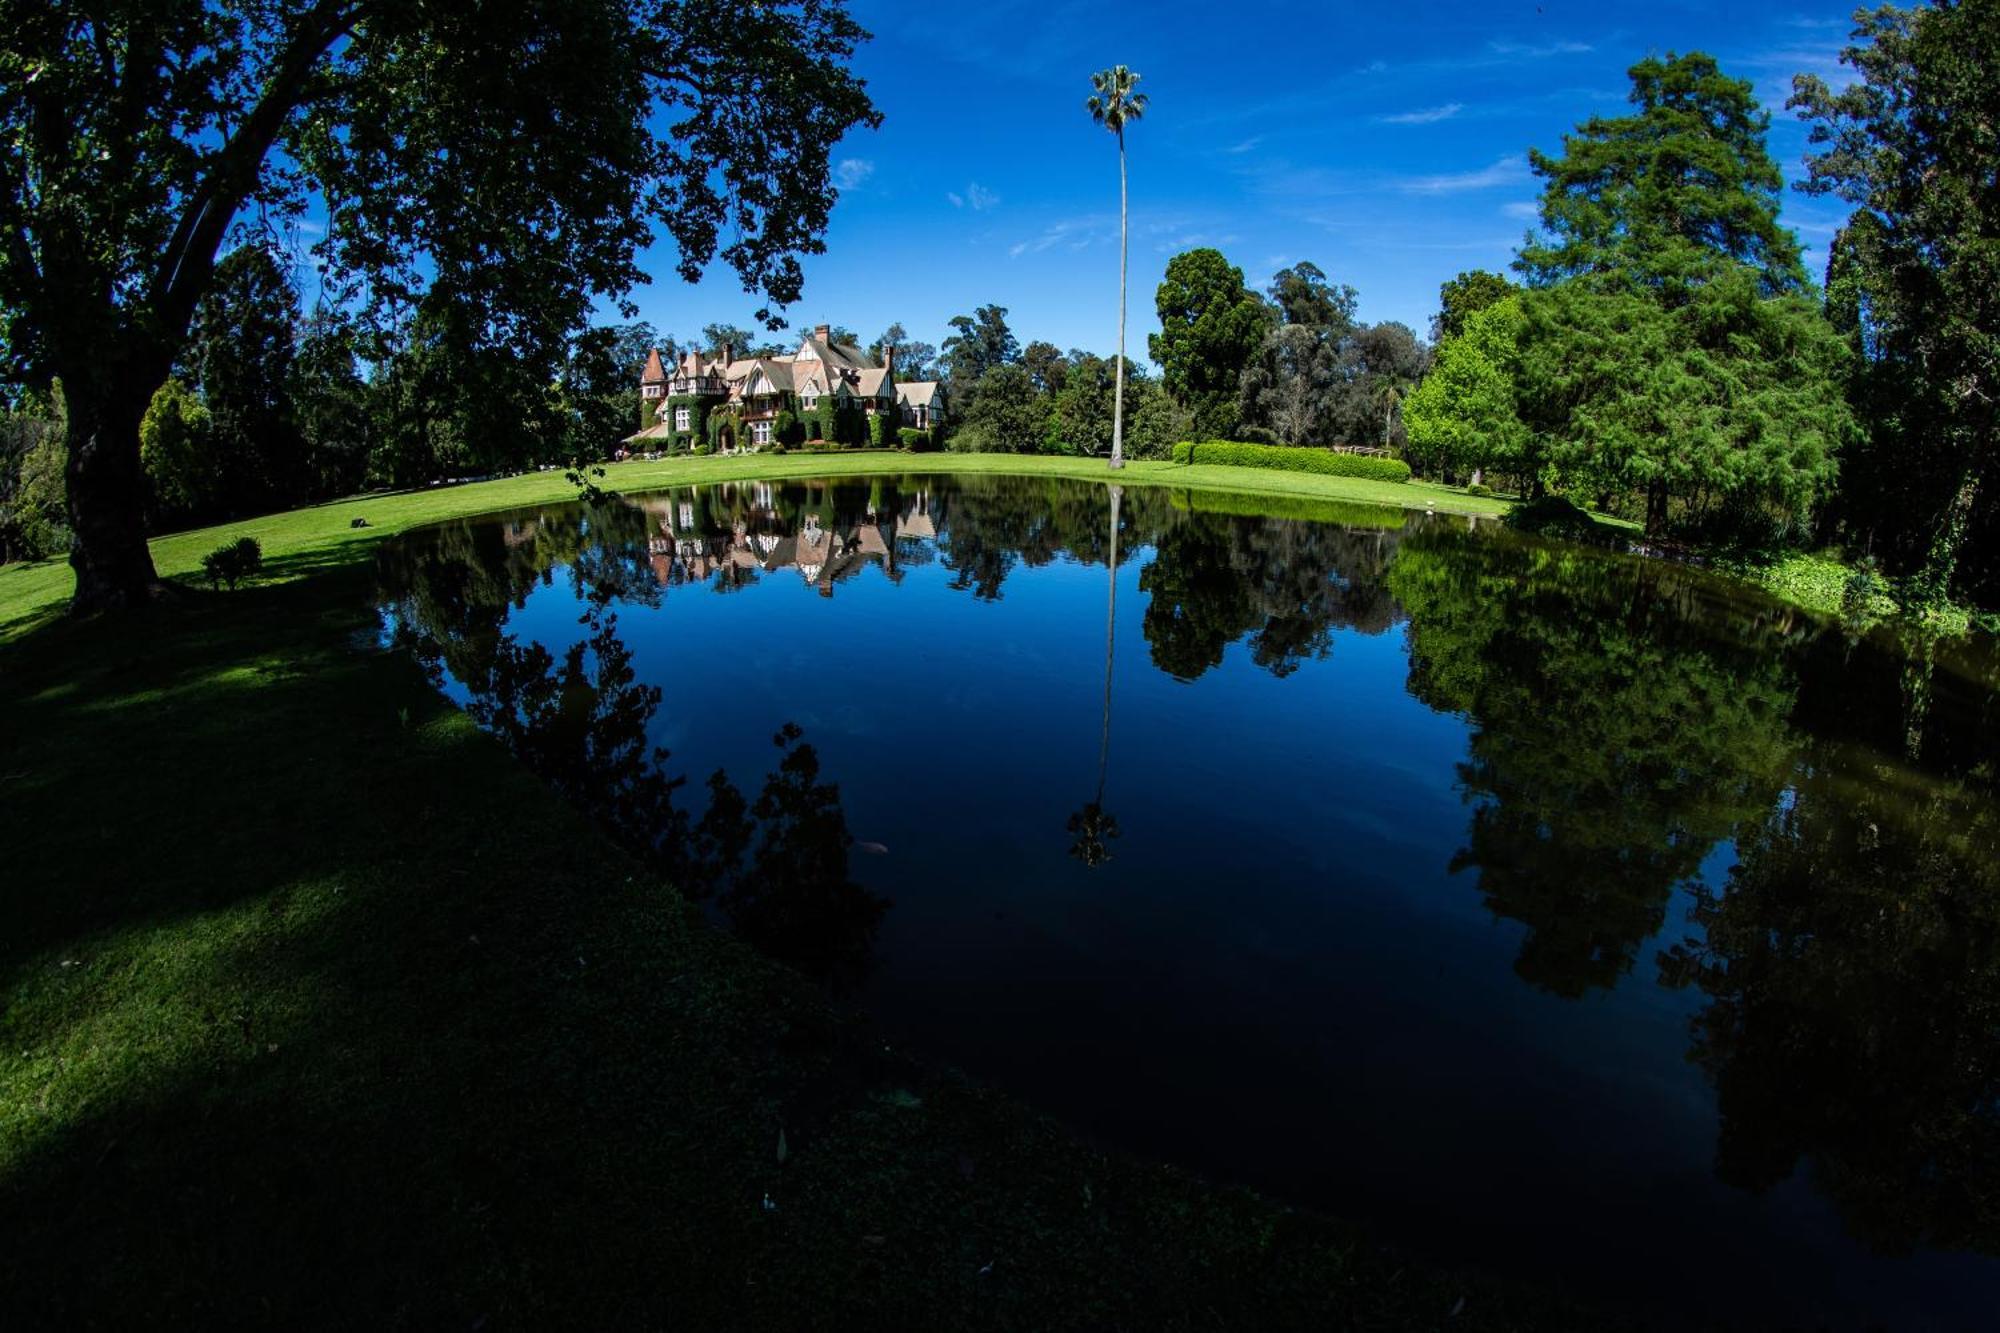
[(240, 354), (512, 158), (1915, 273), (1658, 199), (1210, 327), (1464, 296), (979, 342)]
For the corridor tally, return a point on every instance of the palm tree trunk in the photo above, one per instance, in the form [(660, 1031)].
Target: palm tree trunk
[(1110, 640), (1118, 402)]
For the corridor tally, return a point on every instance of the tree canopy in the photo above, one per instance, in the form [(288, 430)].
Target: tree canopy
[(1210, 327), (511, 159), (1659, 198), (1914, 277)]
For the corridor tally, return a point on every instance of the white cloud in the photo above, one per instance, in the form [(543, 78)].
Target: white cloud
[(1430, 115), (976, 197), (1529, 51), (1522, 209), (1076, 233), (850, 172), (1246, 145), (1511, 170)]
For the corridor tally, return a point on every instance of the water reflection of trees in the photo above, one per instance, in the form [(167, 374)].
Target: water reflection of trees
[(1284, 586), (1617, 738), (777, 868), (1625, 724)]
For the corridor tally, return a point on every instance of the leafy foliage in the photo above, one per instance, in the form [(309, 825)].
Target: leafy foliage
[(1210, 327), (1660, 199), (1914, 281), (1465, 296)]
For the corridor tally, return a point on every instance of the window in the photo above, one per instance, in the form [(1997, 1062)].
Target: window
[(811, 401), (683, 418), (760, 432), (653, 390)]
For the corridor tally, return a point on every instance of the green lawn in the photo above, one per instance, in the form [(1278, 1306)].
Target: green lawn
[(304, 540), (317, 1010)]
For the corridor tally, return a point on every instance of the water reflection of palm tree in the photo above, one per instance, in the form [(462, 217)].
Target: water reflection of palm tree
[(1091, 826)]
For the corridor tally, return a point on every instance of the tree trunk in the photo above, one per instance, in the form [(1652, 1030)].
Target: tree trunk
[(1110, 642), (1941, 563), (107, 492), (1656, 511), (1118, 401)]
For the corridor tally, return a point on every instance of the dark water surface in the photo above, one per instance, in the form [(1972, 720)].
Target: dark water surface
[(1573, 916)]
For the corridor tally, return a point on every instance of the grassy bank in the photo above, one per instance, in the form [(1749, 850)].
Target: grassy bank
[(303, 540), (316, 1009)]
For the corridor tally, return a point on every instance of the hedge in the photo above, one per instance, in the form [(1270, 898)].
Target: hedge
[(916, 441), (1325, 462)]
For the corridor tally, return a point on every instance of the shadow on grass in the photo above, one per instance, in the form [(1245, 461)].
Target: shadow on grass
[(319, 1011)]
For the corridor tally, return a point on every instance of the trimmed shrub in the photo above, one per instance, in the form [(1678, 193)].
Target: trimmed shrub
[(233, 563), (1324, 462), (916, 441), (787, 431), (701, 449), (878, 431), (1479, 488)]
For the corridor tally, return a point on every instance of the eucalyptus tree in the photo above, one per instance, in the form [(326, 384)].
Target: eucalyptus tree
[(1116, 103), (512, 158)]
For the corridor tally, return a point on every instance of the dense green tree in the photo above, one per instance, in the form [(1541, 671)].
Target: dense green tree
[(515, 159), (1465, 296), (1915, 278), (1378, 363), (1210, 328), (1464, 418), (979, 342), (1728, 408), (1082, 417), (1114, 105), (34, 517), (1302, 295), (1292, 385), (1007, 416), (329, 405), (177, 448), (1661, 198), (1047, 366), (239, 355), (915, 360)]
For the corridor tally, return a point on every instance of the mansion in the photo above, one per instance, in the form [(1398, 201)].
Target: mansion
[(824, 392)]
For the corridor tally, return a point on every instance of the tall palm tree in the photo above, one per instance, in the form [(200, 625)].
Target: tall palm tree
[(1114, 104)]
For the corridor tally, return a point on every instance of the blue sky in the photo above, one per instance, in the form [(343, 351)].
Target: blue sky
[(1385, 143)]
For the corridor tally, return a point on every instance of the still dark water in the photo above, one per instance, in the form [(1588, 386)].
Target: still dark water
[(1572, 916)]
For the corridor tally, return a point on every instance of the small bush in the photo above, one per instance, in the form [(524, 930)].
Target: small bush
[(233, 563), (1479, 488), (701, 449), (1255, 435), (916, 441), (880, 431), (1324, 462), (1559, 516)]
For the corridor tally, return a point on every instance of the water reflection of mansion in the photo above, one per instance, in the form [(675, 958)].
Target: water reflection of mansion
[(733, 534)]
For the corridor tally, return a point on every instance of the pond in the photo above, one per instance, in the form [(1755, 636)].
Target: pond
[(1571, 916)]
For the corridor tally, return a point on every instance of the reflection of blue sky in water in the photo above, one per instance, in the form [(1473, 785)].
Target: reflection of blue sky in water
[(1277, 978)]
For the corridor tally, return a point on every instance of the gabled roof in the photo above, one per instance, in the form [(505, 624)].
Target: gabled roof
[(874, 382), (919, 393)]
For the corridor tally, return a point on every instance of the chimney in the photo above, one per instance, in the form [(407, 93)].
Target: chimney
[(824, 333), (889, 360), (728, 354)]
